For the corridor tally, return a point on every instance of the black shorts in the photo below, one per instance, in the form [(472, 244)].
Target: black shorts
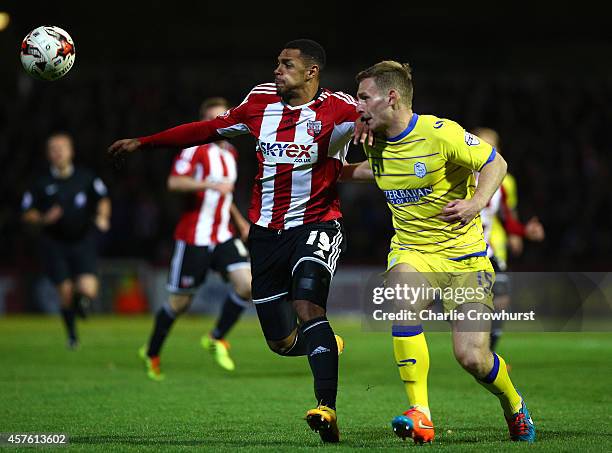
[(275, 255), (190, 263), (64, 260)]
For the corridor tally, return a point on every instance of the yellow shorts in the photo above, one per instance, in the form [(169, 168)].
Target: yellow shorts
[(466, 281)]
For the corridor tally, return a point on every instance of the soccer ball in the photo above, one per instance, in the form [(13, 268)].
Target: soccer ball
[(47, 53)]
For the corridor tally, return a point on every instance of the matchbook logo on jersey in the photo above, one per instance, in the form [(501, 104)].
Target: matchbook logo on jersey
[(401, 196), (471, 139), (289, 153)]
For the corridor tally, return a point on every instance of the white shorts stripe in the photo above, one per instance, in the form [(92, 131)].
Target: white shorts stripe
[(333, 257), (314, 325), (316, 260), (176, 264), (236, 266), (271, 298)]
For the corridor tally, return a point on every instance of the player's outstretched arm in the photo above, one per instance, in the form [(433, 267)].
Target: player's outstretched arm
[(183, 136), (463, 211)]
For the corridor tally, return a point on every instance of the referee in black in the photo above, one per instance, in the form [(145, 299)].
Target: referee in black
[(68, 203)]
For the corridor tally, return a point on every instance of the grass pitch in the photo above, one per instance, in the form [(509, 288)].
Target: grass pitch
[(102, 399)]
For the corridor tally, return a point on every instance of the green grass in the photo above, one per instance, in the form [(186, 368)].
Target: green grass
[(101, 398)]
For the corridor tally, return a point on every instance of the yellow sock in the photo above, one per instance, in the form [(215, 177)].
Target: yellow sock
[(499, 384), (412, 358)]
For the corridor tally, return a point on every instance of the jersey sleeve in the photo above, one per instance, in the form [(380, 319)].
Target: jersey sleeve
[(346, 109), (230, 124), (32, 198), (28, 201), (512, 225), (345, 115), (184, 162), (464, 149), (97, 189)]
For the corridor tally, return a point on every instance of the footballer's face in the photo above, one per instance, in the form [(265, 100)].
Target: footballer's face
[(59, 151), (374, 106), (291, 72)]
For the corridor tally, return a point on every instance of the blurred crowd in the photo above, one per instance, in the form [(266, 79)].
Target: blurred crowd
[(553, 129)]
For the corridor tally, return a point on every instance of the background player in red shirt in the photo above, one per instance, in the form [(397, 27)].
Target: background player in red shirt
[(204, 238), (296, 237)]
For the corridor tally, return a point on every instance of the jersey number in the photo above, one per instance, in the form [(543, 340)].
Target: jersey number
[(324, 244)]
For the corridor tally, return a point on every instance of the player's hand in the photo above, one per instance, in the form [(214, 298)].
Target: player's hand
[(462, 211), (225, 188), (102, 223), (362, 133), (534, 230), (53, 215), (127, 145), (515, 244)]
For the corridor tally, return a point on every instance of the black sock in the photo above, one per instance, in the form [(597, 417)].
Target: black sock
[(80, 305), (323, 358), (68, 315), (163, 321), (300, 345), (496, 333), (230, 313)]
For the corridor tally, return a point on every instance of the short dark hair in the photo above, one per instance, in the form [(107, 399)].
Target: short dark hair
[(310, 49)]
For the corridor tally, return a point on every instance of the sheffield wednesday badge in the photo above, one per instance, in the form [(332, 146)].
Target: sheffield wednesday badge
[(313, 128), (420, 170)]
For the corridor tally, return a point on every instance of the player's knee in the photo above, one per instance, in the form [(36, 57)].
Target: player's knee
[(473, 361), (243, 289), (179, 303), (282, 347), (307, 310), (65, 290), (310, 283), (240, 280)]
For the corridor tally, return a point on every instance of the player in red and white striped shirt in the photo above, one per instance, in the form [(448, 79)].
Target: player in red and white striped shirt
[(302, 132), (204, 238), (499, 208)]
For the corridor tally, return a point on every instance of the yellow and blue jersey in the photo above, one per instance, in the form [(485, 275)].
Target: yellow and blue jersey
[(429, 164)]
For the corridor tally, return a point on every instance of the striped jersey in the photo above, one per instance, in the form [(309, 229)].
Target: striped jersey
[(429, 164), (206, 218), (300, 152)]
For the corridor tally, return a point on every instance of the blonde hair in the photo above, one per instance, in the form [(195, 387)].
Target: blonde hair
[(389, 75)]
